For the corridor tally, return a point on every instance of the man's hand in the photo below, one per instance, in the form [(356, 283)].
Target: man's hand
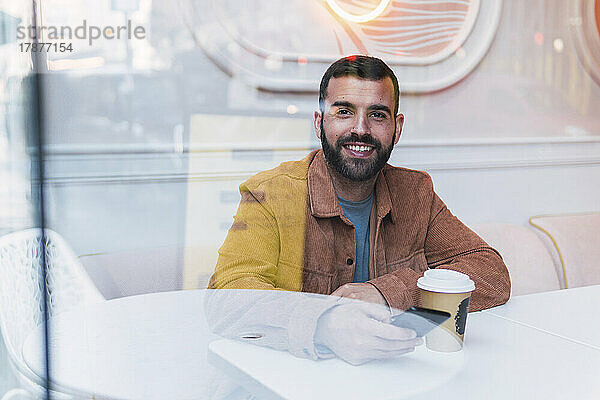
[(361, 291), (358, 332)]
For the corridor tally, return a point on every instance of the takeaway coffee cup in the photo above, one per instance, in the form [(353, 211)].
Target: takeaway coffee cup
[(446, 290)]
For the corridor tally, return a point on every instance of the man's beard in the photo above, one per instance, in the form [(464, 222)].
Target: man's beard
[(355, 169)]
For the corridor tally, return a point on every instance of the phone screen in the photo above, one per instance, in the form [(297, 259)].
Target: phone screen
[(420, 320)]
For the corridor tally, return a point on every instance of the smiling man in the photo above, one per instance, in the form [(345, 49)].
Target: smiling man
[(344, 222)]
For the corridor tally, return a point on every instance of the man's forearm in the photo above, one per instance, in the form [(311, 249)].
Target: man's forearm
[(278, 319), (484, 266)]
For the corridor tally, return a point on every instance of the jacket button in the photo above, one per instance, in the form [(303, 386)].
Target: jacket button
[(349, 261)]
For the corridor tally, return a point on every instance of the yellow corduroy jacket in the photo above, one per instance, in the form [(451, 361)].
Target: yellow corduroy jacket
[(290, 233)]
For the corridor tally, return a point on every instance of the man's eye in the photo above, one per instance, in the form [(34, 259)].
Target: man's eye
[(378, 115), (343, 111)]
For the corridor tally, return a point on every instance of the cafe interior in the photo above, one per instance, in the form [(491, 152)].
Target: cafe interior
[(127, 127)]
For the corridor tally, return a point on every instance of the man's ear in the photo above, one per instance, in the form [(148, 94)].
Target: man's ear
[(399, 125), (317, 121)]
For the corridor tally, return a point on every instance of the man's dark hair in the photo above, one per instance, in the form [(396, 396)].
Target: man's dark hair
[(363, 67)]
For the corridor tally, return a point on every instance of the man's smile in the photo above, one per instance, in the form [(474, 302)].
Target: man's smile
[(359, 150)]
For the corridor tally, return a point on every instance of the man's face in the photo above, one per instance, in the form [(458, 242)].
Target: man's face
[(357, 127)]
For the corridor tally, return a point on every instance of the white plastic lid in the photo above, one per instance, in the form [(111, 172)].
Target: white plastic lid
[(445, 281)]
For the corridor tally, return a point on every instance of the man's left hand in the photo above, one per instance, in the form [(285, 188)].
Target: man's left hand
[(361, 291)]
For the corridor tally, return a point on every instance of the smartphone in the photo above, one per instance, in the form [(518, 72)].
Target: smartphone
[(420, 320)]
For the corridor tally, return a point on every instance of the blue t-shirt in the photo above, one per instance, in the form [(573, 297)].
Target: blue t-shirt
[(359, 213)]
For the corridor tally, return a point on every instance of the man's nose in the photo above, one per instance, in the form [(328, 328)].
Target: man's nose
[(361, 125)]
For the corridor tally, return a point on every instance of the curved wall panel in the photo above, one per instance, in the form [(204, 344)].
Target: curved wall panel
[(286, 46), (585, 26)]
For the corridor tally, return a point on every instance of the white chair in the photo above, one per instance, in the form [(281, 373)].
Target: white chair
[(21, 293), (576, 241), (529, 262)]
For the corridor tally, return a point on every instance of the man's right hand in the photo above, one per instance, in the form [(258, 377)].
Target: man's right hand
[(358, 332)]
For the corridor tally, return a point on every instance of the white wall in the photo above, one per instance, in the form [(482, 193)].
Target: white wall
[(101, 203)]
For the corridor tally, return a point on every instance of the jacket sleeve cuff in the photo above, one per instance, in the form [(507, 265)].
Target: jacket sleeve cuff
[(303, 324), (399, 288)]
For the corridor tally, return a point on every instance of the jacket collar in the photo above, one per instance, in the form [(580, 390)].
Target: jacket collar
[(322, 197)]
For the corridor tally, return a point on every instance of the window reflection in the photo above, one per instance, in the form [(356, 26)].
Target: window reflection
[(148, 138)]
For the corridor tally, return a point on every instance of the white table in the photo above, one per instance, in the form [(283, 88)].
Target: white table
[(501, 360), (572, 314), (141, 347), (155, 347)]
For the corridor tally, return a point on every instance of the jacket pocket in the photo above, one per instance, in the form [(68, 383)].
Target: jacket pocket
[(295, 277), (416, 261), (314, 281)]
